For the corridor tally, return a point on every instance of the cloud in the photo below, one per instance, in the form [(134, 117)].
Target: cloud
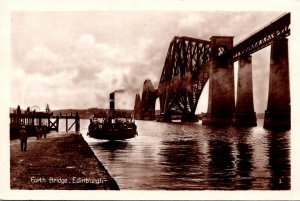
[(191, 21), (87, 39), (90, 57), (84, 58), (42, 60), (147, 65)]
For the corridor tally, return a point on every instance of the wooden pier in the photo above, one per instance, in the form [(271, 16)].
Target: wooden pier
[(44, 120)]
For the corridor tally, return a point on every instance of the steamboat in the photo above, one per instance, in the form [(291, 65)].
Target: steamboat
[(112, 124)]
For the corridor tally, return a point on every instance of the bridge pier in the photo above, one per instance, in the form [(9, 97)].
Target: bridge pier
[(163, 118), (189, 118), (221, 84), (244, 110), (278, 110)]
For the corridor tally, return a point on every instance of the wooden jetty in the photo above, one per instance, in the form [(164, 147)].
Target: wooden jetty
[(45, 120)]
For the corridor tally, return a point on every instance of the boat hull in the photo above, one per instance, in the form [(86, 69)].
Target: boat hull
[(113, 134)]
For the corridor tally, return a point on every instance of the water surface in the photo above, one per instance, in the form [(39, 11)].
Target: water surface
[(191, 156)]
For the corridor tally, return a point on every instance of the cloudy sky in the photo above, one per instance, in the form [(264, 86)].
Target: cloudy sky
[(75, 59)]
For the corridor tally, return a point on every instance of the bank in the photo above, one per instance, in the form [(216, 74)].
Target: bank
[(61, 161)]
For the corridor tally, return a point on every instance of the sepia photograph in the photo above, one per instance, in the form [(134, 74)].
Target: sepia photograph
[(148, 99)]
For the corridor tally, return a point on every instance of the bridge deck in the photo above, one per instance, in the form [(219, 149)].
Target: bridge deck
[(262, 38)]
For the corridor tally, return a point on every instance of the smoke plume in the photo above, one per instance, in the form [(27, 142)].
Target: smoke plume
[(119, 91)]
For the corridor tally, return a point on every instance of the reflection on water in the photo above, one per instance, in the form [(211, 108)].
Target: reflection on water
[(244, 162), (112, 146), (181, 162), (221, 165), (279, 161), (190, 156)]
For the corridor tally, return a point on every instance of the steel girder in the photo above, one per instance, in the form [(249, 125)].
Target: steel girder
[(184, 75), (262, 38)]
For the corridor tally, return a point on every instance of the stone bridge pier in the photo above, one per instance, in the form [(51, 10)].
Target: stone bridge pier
[(221, 83), (244, 110), (279, 109)]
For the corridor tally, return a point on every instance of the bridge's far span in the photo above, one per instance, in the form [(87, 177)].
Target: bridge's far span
[(145, 109), (183, 78), (191, 62)]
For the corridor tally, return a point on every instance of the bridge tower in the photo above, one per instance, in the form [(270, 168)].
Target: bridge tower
[(148, 101), (221, 83), (184, 75), (137, 107), (244, 110), (279, 109)]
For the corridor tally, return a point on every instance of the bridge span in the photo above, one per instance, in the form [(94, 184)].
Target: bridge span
[(191, 63)]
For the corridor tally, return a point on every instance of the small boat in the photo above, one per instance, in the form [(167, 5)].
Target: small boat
[(112, 124)]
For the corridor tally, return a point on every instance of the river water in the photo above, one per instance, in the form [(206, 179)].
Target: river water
[(191, 156)]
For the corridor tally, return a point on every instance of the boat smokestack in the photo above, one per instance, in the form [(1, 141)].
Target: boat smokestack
[(112, 101)]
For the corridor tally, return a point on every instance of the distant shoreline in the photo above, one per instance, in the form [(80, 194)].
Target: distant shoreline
[(87, 113)]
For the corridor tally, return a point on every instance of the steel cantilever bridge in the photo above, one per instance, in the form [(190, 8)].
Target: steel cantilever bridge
[(191, 62)]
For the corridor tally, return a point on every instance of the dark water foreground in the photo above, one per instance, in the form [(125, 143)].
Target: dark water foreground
[(59, 162), (190, 156)]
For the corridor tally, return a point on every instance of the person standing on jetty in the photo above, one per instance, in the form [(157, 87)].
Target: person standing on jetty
[(23, 138), (44, 131), (38, 132)]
